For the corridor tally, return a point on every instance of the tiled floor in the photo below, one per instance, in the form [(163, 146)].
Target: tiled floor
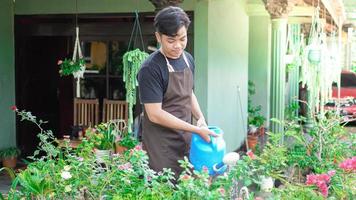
[(5, 182)]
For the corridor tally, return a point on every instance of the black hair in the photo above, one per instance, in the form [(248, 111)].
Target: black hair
[(170, 19)]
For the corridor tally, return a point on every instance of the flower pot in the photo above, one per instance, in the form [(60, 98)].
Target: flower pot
[(120, 149), (267, 183), (314, 56), (9, 162), (102, 155), (252, 141)]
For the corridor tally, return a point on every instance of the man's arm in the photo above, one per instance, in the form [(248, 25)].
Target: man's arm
[(198, 115), (159, 116)]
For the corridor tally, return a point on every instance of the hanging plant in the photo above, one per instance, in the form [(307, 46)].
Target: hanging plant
[(132, 61), (71, 67)]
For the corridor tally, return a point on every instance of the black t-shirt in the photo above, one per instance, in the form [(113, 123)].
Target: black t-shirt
[(153, 75)]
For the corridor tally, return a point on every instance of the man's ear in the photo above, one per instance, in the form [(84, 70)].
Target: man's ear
[(158, 37)]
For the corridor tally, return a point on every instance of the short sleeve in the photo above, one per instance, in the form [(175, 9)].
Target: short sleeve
[(150, 85)]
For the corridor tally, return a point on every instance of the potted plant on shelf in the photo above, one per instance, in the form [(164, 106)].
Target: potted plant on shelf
[(9, 156)]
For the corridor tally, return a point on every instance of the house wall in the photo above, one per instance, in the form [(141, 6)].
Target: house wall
[(222, 42), (221, 52), (26, 7), (7, 75), (259, 71)]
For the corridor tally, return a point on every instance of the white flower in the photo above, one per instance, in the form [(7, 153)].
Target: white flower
[(66, 175), (67, 167), (68, 188)]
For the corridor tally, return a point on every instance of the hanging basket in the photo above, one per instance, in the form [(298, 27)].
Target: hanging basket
[(314, 56)]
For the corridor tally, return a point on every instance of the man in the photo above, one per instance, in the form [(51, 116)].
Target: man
[(166, 91)]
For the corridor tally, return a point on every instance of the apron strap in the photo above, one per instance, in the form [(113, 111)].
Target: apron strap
[(170, 67)]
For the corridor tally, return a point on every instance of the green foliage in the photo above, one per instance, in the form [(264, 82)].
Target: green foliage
[(132, 61), (68, 66), (128, 141), (9, 152), (102, 136), (66, 173)]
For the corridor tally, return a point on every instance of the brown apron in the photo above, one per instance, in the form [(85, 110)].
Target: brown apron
[(165, 146)]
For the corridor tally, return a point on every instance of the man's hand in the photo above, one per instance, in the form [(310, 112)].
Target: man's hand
[(205, 133), (201, 122)]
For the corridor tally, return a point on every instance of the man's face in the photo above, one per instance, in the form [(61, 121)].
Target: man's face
[(173, 47)]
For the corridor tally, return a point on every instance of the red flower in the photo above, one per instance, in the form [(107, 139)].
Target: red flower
[(14, 108), (251, 154)]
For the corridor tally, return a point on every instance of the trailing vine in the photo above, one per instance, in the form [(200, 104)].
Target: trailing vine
[(132, 61)]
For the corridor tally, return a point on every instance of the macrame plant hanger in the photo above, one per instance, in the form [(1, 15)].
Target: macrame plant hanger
[(133, 56), (135, 31), (77, 50)]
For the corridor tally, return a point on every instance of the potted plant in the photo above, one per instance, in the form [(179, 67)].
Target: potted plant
[(103, 138), (255, 119), (124, 142), (9, 156)]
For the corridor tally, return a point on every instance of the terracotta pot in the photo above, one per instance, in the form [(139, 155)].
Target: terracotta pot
[(120, 149), (252, 141), (9, 162), (261, 131)]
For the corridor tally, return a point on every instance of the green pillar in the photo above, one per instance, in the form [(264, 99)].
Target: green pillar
[(294, 37), (7, 74), (279, 39), (221, 76)]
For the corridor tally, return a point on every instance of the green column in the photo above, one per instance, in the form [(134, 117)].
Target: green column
[(7, 74), (279, 39), (293, 74)]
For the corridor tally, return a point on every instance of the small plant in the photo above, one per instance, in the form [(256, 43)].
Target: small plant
[(10, 152), (127, 141), (102, 136), (69, 67), (255, 118)]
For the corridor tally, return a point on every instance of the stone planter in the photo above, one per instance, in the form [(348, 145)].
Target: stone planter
[(102, 155), (267, 183)]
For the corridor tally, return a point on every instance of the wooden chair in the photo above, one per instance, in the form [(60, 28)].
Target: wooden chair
[(86, 112), (115, 110)]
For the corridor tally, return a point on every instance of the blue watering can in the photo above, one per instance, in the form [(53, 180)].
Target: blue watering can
[(207, 154)]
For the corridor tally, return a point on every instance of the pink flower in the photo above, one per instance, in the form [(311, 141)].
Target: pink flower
[(149, 178), (205, 169), (331, 172), (80, 159), (59, 62), (321, 181), (348, 164), (222, 191), (258, 198), (118, 138), (125, 166), (251, 154), (14, 108), (138, 147)]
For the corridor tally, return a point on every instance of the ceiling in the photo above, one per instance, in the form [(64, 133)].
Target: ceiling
[(350, 9)]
